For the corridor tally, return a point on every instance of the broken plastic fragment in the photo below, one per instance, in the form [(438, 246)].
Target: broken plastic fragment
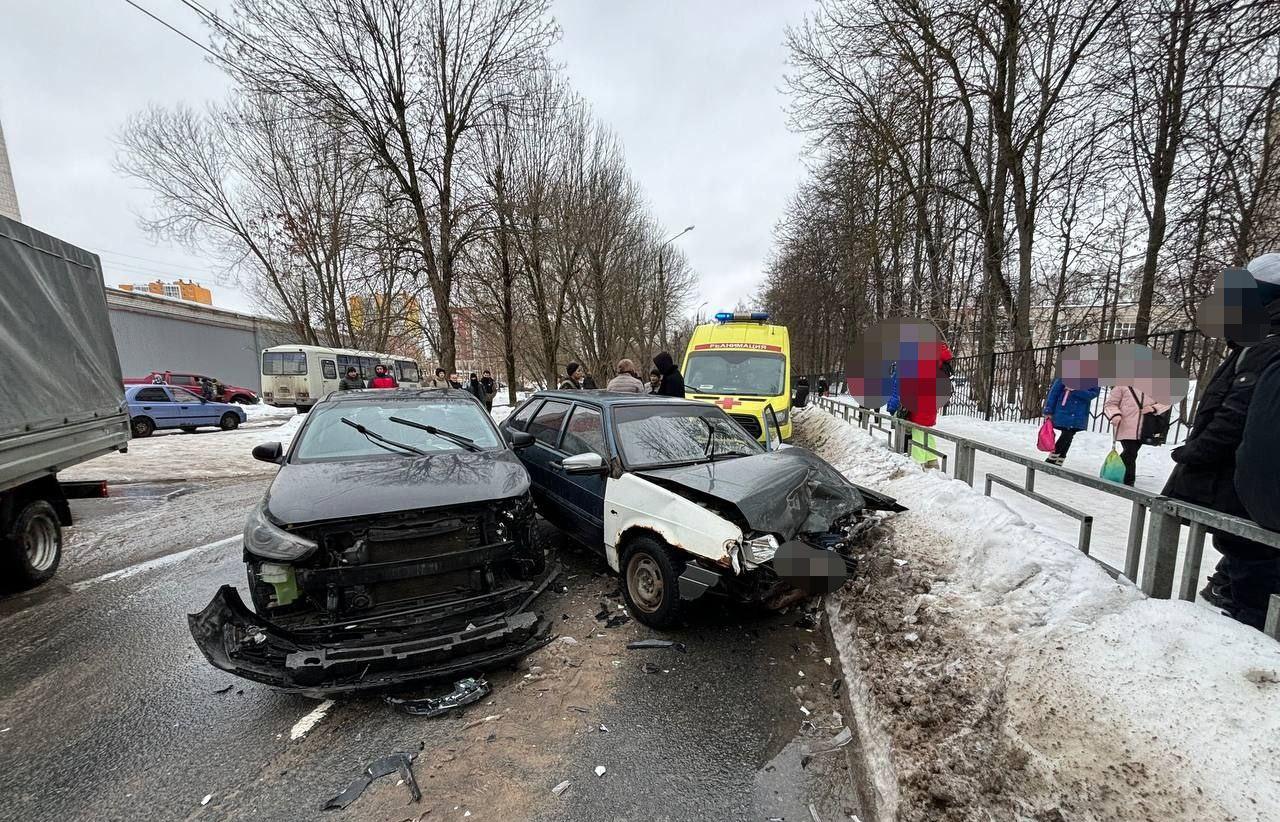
[(643, 644), (835, 743), (568, 640), (561, 788), (603, 729), (600, 770), (223, 689), (401, 763), (465, 691), (206, 799)]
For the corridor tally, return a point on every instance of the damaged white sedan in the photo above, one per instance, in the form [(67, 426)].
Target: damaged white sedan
[(683, 502)]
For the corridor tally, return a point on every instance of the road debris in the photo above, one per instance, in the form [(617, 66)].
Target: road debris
[(600, 770), (401, 763), (835, 743), (814, 813), (650, 668), (645, 644), (604, 729), (205, 801), (465, 692), (561, 788), (568, 640), (223, 689)]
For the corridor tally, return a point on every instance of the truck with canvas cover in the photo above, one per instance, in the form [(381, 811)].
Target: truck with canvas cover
[(61, 398)]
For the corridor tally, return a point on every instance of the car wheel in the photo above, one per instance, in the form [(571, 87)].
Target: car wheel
[(141, 427), (243, 399), (651, 581), (188, 429), (33, 547), (229, 422)]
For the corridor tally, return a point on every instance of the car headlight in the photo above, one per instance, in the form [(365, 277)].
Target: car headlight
[(783, 416), (760, 549), (262, 538)]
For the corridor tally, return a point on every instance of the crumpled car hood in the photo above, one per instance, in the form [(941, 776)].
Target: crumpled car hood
[(786, 492)]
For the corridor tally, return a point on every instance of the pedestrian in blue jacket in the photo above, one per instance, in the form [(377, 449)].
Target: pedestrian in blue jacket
[(1068, 409)]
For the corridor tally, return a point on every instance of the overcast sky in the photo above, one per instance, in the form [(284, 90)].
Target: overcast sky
[(690, 86)]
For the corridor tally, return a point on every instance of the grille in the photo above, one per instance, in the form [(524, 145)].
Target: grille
[(752, 424)]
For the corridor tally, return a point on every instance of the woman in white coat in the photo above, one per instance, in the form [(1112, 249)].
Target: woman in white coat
[(1125, 407)]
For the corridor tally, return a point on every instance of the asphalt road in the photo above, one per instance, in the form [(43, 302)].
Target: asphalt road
[(108, 711)]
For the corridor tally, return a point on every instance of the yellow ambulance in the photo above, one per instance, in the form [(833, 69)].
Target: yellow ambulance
[(743, 364)]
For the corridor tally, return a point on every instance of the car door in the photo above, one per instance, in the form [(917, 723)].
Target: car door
[(190, 409), (584, 493), (548, 485), (154, 402)]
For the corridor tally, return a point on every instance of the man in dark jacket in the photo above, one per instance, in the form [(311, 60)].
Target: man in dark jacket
[(490, 389), (573, 380), (801, 397), (672, 384), (352, 381), (1205, 470)]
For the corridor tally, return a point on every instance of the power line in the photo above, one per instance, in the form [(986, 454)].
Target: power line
[(110, 252), (177, 31)]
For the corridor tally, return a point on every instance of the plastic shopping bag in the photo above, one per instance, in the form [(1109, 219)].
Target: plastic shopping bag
[(1045, 441), (1112, 467)]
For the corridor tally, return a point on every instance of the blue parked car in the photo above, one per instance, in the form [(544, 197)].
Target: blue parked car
[(164, 406)]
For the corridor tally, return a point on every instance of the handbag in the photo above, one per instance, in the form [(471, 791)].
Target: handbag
[(1045, 441), (1153, 428), (1112, 467)]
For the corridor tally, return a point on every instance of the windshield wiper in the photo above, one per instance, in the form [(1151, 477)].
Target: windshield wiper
[(465, 442), (381, 441), (709, 450)]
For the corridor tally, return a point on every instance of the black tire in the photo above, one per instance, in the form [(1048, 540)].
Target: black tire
[(188, 429), (229, 422), (302, 409), (141, 427), (31, 547), (651, 572), (243, 399)]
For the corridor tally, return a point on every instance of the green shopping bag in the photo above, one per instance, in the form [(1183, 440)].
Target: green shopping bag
[(1112, 467)]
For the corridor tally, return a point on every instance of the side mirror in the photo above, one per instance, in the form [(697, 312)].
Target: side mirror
[(269, 452), (588, 463), (520, 439)]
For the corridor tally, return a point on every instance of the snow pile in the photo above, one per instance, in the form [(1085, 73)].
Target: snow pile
[(262, 411), (1107, 705)]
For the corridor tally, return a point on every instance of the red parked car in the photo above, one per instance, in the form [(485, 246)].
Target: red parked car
[(191, 382)]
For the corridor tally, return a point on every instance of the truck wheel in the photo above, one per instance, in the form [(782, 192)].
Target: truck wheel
[(141, 427), (229, 422), (651, 581), (33, 546)]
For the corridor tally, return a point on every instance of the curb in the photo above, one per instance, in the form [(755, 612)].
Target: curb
[(870, 763)]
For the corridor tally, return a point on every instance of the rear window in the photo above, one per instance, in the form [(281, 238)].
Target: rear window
[(284, 363), (546, 424)]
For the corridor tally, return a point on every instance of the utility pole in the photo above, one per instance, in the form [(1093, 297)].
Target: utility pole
[(662, 288)]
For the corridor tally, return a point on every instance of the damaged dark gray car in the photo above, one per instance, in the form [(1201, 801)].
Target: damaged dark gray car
[(396, 543), (682, 501)]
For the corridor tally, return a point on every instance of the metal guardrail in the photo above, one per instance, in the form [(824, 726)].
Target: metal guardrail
[(1150, 566)]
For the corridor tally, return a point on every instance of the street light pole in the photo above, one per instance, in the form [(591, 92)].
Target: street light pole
[(662, 288)]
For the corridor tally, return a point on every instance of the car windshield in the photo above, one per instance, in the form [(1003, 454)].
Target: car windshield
[(655, 435), (736, 372), (327, 437)]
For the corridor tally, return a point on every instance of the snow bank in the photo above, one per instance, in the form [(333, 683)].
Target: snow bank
[(1123, 706)]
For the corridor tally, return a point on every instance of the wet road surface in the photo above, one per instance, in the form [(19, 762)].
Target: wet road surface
[(108, 711)]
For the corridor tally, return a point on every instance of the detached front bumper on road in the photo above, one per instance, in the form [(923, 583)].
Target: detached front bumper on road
[(374, 654)]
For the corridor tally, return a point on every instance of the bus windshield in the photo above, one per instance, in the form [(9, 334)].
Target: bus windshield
[(287, 363), (738, 373)]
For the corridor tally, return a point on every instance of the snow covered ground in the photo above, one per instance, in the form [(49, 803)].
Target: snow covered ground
[(1088, 450), (1110, 706)]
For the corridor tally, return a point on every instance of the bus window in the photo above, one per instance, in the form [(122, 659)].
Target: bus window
[(284, 363), (406, 371), (367, 364), (343, 362), (328, 369)]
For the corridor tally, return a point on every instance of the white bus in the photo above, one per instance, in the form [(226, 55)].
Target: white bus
[(300, 375)]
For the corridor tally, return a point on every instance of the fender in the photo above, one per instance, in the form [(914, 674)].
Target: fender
[(632, 502)]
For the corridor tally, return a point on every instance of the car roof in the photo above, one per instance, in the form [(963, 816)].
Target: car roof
[(366, 394), (612, 399)]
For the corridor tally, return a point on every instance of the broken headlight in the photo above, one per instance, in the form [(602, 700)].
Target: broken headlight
[(265, 539), (760, 549), (783, 415)]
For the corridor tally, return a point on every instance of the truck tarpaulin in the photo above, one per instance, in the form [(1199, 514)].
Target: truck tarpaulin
[(54, 333)]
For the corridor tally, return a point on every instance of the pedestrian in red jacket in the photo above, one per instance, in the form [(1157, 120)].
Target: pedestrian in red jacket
[(382, 379)]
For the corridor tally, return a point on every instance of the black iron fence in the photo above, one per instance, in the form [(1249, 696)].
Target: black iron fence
[(1012, 385)]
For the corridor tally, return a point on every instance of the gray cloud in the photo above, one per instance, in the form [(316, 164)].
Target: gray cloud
[(690, 88)]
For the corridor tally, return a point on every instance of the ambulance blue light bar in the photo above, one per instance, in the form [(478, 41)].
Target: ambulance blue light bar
[(742, 316)]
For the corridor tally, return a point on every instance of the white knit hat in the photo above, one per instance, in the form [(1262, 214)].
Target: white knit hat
[(1266, 269)]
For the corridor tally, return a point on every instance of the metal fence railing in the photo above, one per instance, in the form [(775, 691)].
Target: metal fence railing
[(1012, 385), (1149, 563)]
